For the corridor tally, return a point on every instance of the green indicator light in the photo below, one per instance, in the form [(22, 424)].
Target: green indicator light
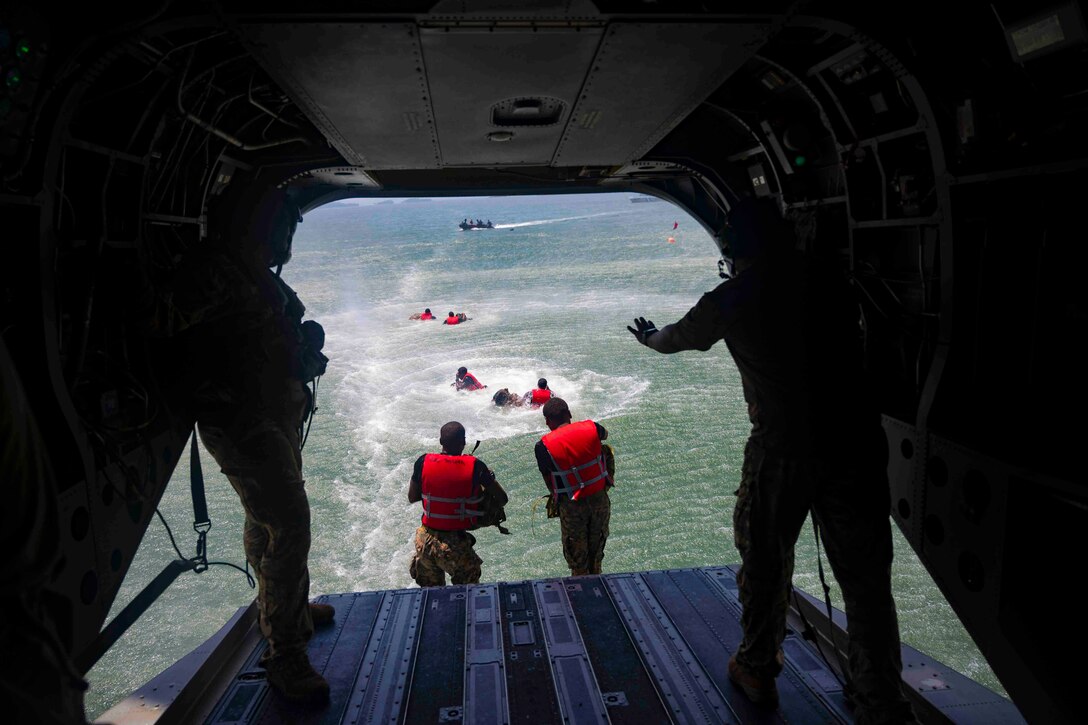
[(22, 50), (799, 161), (13, 78)]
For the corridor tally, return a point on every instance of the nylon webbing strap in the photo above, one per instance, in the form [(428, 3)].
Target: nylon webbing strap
[(827, 601), (201, 523), (196, 482), (139, 604)]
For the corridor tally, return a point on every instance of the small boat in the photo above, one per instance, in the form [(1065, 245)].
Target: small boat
[(465, 226)]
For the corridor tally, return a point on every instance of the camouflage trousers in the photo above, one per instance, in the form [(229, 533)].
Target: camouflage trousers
[(585, 531), (850, 502), (444, 552), (260, 456)]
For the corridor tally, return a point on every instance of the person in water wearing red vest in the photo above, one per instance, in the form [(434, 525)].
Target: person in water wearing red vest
[(425, 315), (466, 380), (539, 395), (576, 470), (453, 488), (451, 319)]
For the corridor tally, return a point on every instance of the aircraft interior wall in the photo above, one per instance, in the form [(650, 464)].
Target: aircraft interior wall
[(943, 172)]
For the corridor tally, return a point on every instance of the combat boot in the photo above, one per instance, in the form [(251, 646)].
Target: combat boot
[(295, 678), (321, 614), (760, 690)]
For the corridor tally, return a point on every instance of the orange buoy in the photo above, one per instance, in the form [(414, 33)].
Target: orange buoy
[(672, 240)]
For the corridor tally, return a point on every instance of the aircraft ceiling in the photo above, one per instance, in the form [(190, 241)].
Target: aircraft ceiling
[(446, 94)]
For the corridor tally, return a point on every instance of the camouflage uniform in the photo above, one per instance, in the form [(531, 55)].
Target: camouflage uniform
[(241, 349), (260, 456), (444, 552), (585, 530), (849, 501), (816, 444), (440, 552), (583, 523)]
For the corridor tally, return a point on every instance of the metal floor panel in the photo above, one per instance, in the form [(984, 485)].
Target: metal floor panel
[(647, 647), (580, 699), (380, 690), (690, 693), (485, 666), (439, 674), (626, 686), (530, 688)]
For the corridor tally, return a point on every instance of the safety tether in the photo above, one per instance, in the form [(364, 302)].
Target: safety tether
[(147, 596), (810, 632), (532, 511), (201, 523)]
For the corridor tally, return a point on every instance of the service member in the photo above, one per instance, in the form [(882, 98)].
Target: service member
[(458, 492), (575, 467), (791, 324)]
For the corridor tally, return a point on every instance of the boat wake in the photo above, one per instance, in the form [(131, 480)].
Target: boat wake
[(538, 222)]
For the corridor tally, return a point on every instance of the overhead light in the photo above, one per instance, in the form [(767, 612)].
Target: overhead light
[(1060, 27), (500, 136)]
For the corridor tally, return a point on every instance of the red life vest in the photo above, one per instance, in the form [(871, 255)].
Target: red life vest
[(576, 451), (469, 382), (426, 316), (453, 320), (540, 397), (449, 499)]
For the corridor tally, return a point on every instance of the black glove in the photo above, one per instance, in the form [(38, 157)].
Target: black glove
[(645, 329)]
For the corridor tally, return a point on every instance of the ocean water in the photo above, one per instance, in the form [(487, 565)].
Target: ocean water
[(550, 292)]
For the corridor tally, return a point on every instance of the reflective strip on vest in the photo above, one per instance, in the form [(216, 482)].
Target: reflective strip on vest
[(443, 478), (562, 484), (583, 474)]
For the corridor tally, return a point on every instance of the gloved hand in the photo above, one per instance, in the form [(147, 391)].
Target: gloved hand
[(645, 329)]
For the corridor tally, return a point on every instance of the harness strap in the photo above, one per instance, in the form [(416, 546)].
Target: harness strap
[(304, 436), (147, 596), (201, 523), (827, 601), (559, 478), (139, 604), (476, 499), (462, 513)]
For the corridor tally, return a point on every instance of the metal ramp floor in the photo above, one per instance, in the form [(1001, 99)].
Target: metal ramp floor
[(647, 647)]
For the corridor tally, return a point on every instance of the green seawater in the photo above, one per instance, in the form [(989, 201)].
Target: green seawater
[(550, 292)]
